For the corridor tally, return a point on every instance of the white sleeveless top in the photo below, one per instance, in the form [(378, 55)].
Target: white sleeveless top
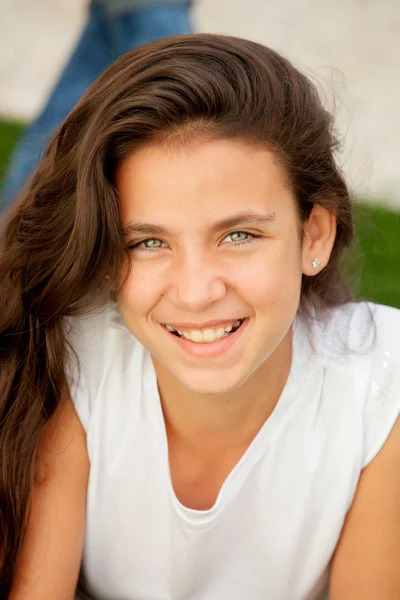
[(278, 516)]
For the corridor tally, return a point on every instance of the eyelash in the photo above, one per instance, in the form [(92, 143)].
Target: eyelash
[(145, 250)]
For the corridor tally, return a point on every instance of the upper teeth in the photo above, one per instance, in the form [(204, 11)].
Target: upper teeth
[(208, 335)]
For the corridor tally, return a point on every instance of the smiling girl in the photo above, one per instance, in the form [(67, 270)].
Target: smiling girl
[(192, 405)]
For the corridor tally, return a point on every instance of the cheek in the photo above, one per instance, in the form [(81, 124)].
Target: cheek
[(272, 287), (273, 277), (139, 292)]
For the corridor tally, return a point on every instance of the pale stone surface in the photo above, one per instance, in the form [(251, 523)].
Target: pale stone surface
[(351, 47)]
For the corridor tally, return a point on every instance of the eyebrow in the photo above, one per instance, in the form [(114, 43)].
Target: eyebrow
[(250, 217)]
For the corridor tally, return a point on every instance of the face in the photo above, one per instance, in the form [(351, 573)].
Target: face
[(186, 270)]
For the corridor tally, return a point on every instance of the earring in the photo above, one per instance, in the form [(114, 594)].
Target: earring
[(107, 277), (316, 263)]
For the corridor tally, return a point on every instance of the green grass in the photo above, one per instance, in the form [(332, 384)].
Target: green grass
[(378, 237), (9, 134), (377, 232)]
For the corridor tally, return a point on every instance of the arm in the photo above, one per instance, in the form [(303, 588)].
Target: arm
[(366, 563), (48, 567)]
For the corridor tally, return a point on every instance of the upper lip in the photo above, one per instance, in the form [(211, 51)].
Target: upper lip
[(194, 326)]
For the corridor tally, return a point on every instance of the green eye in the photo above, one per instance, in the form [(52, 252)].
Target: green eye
[(151, 240), (238, 233), (143, 247), (152, 245), (251, 239)]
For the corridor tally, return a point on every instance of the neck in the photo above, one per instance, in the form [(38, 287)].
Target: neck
[(224, 421)]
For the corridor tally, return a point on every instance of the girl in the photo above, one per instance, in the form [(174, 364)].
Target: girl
[(192, 405)]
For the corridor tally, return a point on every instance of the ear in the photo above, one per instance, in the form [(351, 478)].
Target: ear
[(319, 233)]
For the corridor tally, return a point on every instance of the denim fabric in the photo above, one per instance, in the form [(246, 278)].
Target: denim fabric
[(104, 38), (118, 6)]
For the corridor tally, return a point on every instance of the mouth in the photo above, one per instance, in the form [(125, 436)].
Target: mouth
[(211, 335), (226, 342)]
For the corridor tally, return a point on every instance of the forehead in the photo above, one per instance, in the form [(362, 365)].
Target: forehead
[(205, 178)]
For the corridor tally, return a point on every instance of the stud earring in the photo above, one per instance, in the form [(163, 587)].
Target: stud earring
[(107, 277), (316, 263)]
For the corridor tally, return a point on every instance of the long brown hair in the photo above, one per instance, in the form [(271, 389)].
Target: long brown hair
[(63, 235)]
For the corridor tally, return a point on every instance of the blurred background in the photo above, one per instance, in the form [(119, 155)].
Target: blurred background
[(350, 48)]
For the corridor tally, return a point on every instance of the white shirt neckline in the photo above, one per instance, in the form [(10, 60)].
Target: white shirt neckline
[(304, 371)]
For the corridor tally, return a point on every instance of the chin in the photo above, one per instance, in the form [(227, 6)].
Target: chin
[(213, 385)]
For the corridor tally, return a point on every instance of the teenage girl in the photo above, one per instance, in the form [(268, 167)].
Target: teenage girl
[(192, 405)]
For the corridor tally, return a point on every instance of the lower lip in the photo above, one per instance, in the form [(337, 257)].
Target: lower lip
[(212, 348)]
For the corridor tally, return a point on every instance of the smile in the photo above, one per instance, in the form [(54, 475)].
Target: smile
[(208, 335), (213, 348)]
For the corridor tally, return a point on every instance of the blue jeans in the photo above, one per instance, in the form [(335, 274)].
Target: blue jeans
[(104, 38)]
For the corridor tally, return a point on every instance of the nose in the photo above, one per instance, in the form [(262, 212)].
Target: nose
[(196, 281)]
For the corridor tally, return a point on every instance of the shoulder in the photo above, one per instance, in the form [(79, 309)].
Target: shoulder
[(94, 336), (387, 320), (360, 347), (385, 351), (368, 550), (357, 328), (383, 400), (366, 329), (100, 351), (91, 327)]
